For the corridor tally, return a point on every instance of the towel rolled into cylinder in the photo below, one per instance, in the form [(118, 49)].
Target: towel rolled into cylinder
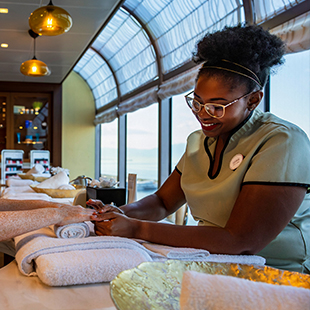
[(201, 291), (76, 230)]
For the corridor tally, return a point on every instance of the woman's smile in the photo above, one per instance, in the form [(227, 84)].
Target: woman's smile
[(208, 126)]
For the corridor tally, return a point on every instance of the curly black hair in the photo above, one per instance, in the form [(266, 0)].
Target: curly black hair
[(248, 45)]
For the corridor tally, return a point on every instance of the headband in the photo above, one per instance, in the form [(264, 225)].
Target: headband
[(236, 68)]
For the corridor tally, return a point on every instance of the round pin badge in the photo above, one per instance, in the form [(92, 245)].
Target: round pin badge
[(236, 161)]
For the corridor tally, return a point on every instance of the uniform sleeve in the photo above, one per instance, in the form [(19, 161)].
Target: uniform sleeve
[(179, 165), (283, 158)]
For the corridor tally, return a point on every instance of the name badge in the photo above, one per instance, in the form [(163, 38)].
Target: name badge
[(236, 161)]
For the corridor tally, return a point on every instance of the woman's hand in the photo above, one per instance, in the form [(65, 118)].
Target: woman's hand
[(75, 214), (102, 208), (115, 224)]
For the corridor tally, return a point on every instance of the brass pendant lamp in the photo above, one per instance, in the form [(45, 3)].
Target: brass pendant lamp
[(50, 20), (34, 67)]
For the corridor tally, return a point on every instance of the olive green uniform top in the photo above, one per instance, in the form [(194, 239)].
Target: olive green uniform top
[(264, 149)]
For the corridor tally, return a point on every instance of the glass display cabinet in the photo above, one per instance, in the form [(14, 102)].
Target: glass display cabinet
[(30, 122), (11, 163)]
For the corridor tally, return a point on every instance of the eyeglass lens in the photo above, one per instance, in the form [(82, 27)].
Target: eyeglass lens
[(213, 110)]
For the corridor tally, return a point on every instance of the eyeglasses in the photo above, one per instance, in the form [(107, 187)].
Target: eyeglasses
[(213, 109)]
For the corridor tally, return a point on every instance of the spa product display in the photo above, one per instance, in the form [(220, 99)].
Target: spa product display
[(11, 163), (41, 157)]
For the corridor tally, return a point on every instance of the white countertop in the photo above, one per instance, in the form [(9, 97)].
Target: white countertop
[(19, 292)]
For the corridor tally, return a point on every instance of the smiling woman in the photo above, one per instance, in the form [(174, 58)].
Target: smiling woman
[(237, 174)]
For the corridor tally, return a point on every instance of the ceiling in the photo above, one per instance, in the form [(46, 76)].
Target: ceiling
[(60, 53)]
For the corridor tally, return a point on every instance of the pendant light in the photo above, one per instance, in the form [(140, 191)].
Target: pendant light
[(50, 20), (34, 67)]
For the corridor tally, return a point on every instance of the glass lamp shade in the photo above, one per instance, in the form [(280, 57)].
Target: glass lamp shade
[(34, 67), (50, 20)]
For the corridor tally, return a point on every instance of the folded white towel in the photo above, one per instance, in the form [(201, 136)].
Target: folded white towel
[(76, 230), (17, 181), (37, 168), (60, 262), (55, 181), (27, 196), (201, 291), (191, 254), (177, 253)]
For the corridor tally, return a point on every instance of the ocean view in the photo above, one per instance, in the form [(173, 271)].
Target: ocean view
[(143, 162)]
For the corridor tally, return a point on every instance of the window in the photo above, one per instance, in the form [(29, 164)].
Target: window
[(290, 92), (109, 149), (142, 148), (183, 123)]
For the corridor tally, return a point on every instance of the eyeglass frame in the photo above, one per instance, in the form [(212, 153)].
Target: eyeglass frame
[(224, 106)]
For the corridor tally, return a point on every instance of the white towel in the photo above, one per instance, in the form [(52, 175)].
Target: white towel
[(37, 168), (76, 230), (201, 291), (55, 181), (191, 254), (177, 253), (17, 181), (26, 196), (60, 262)]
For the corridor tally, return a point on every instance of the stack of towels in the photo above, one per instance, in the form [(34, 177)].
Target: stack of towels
[(70, 258)]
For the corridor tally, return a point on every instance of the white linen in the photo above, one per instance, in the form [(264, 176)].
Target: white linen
[(75, 230), (191, 254), (71, 261), (60, 262), (17, 181), (28, 196), (177, 253), (201, 291), (37, 168), (55, 181)]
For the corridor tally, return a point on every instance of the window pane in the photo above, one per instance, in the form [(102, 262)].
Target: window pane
[(290, 92), (183, 123), (109, 149), (142, 148)]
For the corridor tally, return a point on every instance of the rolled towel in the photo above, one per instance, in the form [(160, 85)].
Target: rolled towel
[(216, 292), (76, 230), (55, 181), (37, 168)]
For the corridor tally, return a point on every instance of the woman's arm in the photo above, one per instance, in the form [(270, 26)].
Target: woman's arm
[(260, 213), (14, 223)]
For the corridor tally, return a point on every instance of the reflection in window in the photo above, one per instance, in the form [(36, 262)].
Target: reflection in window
[(183, 123), (290, 92), (109, 149), (142, 148)]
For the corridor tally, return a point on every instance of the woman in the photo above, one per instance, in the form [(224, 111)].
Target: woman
[(244, 175)]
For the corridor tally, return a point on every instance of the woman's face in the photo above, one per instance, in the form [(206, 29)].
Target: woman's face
[(214, 90)]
